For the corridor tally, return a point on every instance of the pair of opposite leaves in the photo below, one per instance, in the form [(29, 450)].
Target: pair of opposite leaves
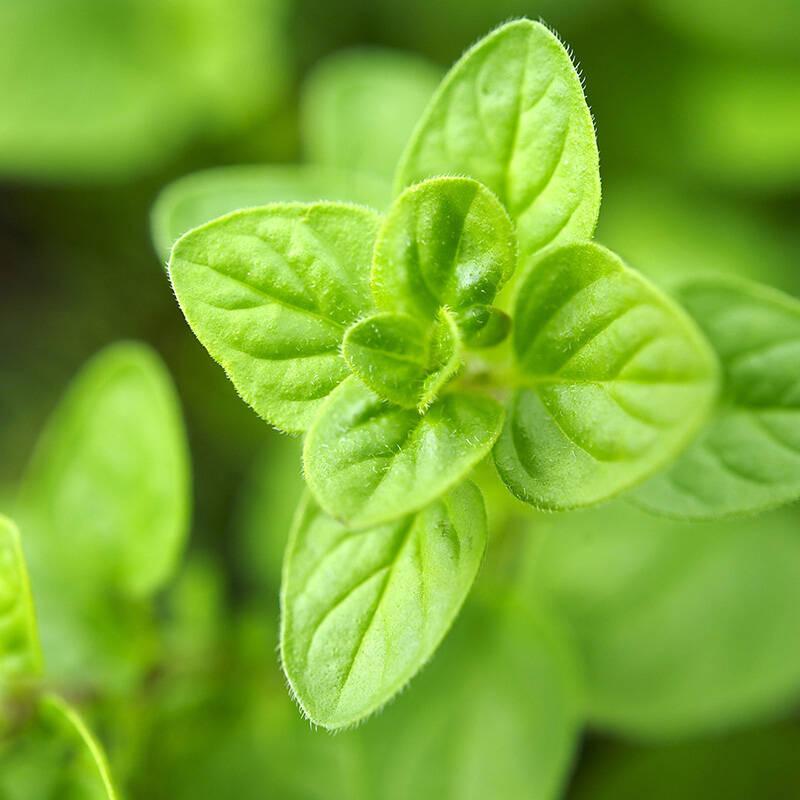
[(611, 379)]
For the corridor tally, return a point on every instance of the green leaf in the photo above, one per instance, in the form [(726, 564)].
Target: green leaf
[(99, 91), (683, 629), (613, 379), (55, 757), (496, 714), (747, 458), (270, 291), (20, 655), (368, 462), (511, 113), (203, 196), (364, 610), (445, 242), (397, 357), (105, 507), (360, 106)]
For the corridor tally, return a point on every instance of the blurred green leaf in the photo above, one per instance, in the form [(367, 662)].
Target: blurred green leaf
[(613, 381), (202, 196), (747, 458), (94, 89), (362, 611), (511, 113), (359, 108), (368, 462), (20, 655), (269, 293), (105, 506), (682, 629), (54, 758)]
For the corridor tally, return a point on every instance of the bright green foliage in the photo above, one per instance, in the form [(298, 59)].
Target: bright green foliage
[(364, 610), (445, 242), (511, 113), (98, 90), (748, 457), (402, 360), (361, 331), (105, 510), (55, 757), (369, 462), (20, 656), (682, 629), (613, 380), (203, 196), (270, 292), (360, 107)]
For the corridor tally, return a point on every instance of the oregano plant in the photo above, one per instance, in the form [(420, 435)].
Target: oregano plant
[(475, 320)]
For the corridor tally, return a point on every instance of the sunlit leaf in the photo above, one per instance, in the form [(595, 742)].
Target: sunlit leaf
[(402, 360), (364, 610), (613, 381), (270, 292), (511, 113), (369, 462), (444, 242)]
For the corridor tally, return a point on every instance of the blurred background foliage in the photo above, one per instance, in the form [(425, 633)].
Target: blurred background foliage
[(606, 653)]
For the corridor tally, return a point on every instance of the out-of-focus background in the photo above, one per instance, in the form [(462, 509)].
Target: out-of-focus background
[(686, 640)]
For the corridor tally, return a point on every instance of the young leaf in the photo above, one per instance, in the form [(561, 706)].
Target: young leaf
[(683, 629), (105, 506), (368, 462), (445, 242), (359, 107), (203, 196), (613, 379), (511, 113), (747, 458), (55, 757), (401, 359), (20, 656), (364, 610), (270, 291)]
